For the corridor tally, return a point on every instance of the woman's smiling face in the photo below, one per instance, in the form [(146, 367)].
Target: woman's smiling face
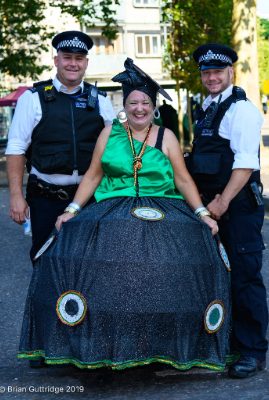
[(139, 109)]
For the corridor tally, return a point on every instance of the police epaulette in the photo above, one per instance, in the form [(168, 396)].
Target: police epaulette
[(42, 83), (239, 93), (37, 85), (33, 89), (45, 87)]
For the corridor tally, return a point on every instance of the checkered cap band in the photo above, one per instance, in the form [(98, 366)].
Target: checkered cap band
[(72, 43), (212, 56)]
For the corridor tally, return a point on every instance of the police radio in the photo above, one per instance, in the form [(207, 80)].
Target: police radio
[(49, 93), (92, 96), (256, 191)]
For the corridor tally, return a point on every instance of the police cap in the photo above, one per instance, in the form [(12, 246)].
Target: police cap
[(72, 42), (214, 55)]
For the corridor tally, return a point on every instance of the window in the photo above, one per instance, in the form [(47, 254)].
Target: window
[(148, 45), (146, 3), (102, 45)]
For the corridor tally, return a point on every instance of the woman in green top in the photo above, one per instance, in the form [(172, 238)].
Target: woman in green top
[(136, 277)]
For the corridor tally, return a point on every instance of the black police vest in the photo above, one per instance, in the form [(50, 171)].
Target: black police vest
[(66, 135), (212, 159)]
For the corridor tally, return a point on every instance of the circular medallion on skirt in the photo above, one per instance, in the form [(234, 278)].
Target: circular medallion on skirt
[(224, 256), (45, 246), (71, 308), (147, 213), (214, 316)]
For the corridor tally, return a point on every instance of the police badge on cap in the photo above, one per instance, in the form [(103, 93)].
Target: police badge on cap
[(214, 55), (72, 42)]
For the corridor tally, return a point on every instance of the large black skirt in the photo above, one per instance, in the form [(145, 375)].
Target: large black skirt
[(114, 290)]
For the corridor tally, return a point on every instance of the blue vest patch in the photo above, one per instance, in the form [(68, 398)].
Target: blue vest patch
[(80, 104), (207, 132)]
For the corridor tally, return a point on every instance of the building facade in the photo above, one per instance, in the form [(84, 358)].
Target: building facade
[(140, 37)]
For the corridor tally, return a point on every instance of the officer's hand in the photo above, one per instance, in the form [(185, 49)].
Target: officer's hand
[(63, 218), (217, 207), (19, 209), (211, 223)]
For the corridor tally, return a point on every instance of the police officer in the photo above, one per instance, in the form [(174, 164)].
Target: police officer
[(225, 166), (55, 128)]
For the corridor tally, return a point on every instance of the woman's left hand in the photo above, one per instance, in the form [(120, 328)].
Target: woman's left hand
[(211, 223), (63, 218)]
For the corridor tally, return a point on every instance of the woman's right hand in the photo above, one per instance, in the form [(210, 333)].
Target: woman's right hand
[(63, 218)]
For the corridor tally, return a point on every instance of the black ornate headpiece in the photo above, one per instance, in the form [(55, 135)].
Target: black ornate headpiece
[(133, 78)]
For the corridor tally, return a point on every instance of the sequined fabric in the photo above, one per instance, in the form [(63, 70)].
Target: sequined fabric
[(147, 286)]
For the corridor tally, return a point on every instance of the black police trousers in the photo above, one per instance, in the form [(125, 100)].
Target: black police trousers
[(44, 213), (240, 232)]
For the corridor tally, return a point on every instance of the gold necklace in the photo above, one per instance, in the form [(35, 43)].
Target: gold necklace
[(137, 158)]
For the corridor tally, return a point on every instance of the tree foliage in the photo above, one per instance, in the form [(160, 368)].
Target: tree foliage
[(24, 31), (264, 28), (22, 37), (89, 11), (193, 23)]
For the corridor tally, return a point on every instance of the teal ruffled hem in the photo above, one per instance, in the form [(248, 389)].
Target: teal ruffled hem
[(34, 355)]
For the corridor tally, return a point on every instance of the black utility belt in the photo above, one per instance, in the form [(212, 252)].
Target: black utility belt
[(40, 188)]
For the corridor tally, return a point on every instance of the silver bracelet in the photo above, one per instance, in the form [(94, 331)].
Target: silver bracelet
[(199, 209), (202, 212), (74, 205)]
